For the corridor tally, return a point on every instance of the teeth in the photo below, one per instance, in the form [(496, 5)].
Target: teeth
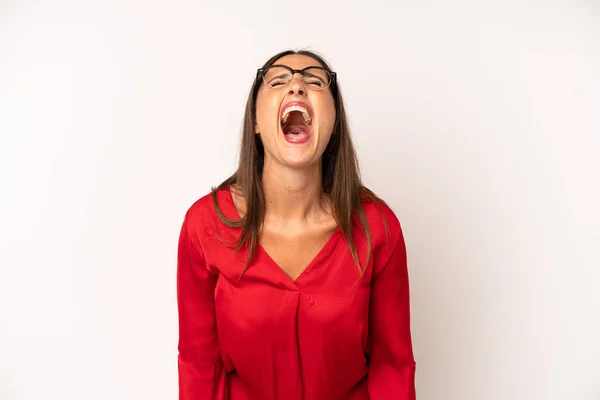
[(303, 110)]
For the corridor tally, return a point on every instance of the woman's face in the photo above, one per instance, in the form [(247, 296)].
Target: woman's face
[(294, 138)]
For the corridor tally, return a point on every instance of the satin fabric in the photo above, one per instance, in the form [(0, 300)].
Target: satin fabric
[(330, 334)]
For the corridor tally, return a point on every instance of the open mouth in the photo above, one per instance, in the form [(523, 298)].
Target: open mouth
[(296, 123)]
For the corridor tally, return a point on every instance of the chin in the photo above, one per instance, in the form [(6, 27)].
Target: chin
[(299, 161)]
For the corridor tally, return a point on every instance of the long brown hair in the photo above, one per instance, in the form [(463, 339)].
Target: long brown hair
[(341, 175)]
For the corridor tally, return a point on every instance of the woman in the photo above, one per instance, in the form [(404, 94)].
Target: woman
[(292, 277)]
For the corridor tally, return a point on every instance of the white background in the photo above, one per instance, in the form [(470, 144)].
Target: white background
[(478, 122)]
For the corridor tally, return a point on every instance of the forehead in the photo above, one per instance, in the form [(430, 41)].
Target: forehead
[(298, 61)]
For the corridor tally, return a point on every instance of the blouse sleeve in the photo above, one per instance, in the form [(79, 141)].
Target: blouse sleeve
[(391, 363), (200, 367)]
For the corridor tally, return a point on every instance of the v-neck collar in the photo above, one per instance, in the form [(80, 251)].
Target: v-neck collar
[(307, 269)]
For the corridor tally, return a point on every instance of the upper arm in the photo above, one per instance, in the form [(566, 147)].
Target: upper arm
[(391, 363), (201, 374)]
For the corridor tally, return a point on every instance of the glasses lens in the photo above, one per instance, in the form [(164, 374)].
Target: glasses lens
[(277, 76), (317, 78), (314, 78)]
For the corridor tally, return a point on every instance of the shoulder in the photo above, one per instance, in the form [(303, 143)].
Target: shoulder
[(199, 209), (201, 216), (205, 206), (382, 219), (209, 235), (386, 230)]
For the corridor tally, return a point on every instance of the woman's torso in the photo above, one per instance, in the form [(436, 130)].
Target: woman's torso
[(284, 338)]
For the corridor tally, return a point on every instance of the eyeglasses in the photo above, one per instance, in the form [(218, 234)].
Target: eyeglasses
[(278, 76)]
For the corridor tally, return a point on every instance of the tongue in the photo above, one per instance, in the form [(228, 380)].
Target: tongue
[(295, 124), (296, 129)]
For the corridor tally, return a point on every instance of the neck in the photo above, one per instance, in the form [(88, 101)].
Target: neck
[(292, 194)]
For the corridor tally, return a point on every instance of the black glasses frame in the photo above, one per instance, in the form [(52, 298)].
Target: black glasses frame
[(260, 73)]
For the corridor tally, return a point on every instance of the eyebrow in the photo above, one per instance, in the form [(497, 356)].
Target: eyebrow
[(279, 76), (312, 75)]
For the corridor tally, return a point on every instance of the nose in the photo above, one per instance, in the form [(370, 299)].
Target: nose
[(296, 86)]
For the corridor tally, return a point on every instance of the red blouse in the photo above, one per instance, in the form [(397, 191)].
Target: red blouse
[(328, 335)]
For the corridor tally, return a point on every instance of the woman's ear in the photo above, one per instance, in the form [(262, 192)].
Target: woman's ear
[(256, 128)]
